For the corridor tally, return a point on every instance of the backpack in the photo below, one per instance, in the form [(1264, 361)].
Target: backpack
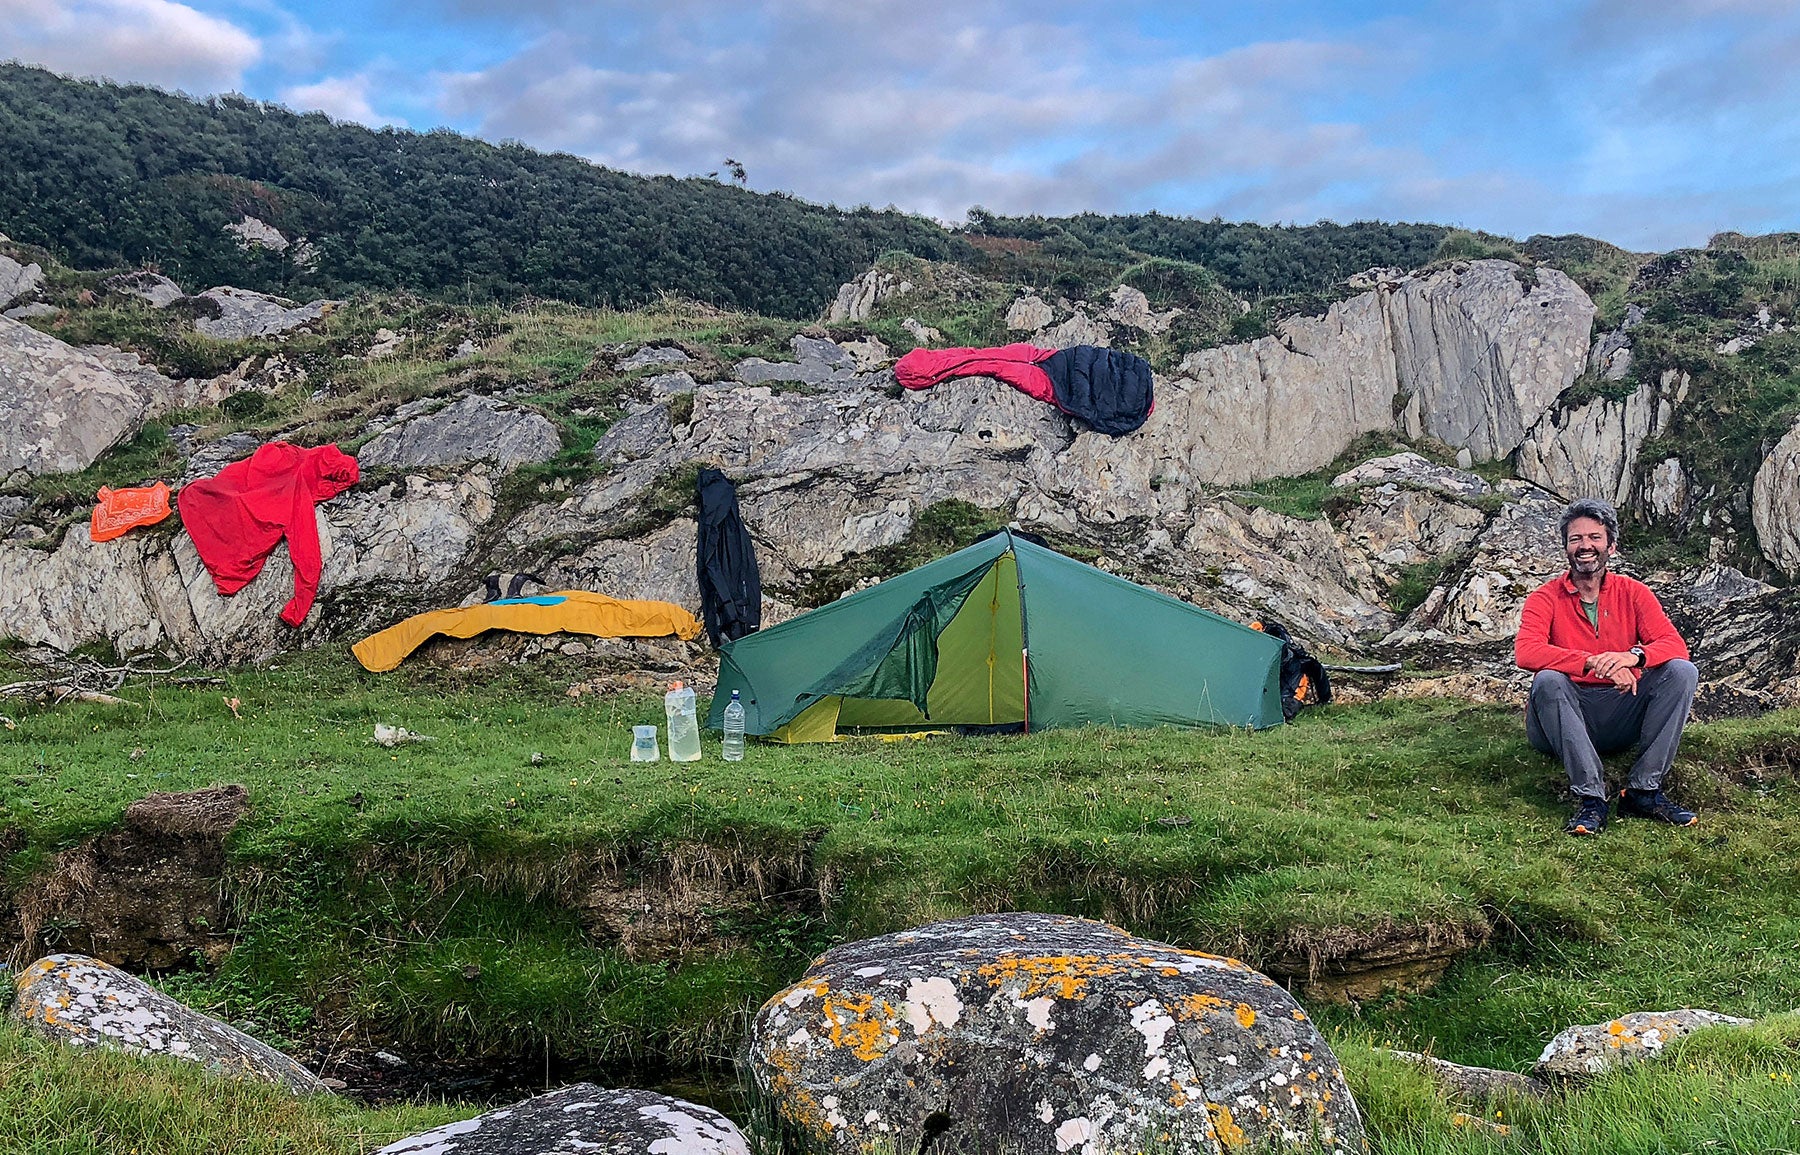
[(1304, 681)]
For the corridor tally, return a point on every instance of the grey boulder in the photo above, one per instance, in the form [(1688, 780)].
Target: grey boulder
[(1033, 1033), (17, 281), (470, 429), (244, 314), (86, 1003), (1585, 1051), (60, 407), (584, 1120), (159, 290)]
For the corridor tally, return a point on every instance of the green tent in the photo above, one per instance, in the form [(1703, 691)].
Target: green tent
[(946, 645)]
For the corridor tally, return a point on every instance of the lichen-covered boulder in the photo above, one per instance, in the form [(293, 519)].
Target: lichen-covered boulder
[(584, 1120), (80, 1001), (1584, 1051), (1032, 1033)]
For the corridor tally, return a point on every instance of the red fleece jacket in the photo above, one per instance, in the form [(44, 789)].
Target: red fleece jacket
[(1555, 633), (237, 517)]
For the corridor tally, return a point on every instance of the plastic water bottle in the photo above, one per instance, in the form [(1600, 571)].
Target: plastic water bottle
[(733, 748), (684, 724)]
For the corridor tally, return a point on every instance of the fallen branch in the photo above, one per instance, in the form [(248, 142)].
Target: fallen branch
[(72, 677), (1390, 668)]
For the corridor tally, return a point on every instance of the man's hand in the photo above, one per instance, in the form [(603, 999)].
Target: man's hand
[(1611, 663), (1624, 680)]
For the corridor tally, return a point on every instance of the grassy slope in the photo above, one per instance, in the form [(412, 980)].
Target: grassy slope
[(1424, 810), (1407, 815)]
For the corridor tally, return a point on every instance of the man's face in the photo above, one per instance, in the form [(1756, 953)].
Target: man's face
[(1588, 547)]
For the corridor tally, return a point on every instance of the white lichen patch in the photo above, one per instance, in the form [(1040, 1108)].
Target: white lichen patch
[(1091, 1063), (1150, 1020), (1074, 1133), (932, 1001), (1037, 1012)]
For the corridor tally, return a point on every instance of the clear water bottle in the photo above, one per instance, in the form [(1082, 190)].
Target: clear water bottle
[(684, 724), (733, 748)]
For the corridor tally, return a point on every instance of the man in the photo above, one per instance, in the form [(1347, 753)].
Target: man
[(1611, 672)]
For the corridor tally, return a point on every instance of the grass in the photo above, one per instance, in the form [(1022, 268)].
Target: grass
[(58, 1101), (1392, 818)]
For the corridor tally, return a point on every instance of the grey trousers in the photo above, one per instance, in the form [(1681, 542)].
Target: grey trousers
[(1579, 723)]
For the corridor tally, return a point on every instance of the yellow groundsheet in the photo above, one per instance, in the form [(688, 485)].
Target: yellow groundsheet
[(565, 611)]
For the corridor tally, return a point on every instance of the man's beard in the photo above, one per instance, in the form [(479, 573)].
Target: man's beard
[(1587, 567)]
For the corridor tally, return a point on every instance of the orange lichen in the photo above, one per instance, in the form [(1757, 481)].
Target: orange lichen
[(1299, 1016), (1194, 1005), (859, 1023), (1245, 1016), (1225, 1128), (1615, 1028), (1064, 976)]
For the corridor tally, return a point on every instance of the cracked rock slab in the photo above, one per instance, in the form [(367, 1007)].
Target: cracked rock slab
[(470, 429), (584, 1120), (244, 314), (1033, 1033), (82, 1002)]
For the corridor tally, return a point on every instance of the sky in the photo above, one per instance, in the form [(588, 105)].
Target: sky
[(1649, 123)]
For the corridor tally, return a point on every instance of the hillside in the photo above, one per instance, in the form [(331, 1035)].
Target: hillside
[(125, 175)]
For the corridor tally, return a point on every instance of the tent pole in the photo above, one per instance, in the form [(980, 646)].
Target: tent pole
[(1024, 633)]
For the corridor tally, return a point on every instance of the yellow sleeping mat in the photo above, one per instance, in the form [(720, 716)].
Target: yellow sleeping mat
[(566, 611)]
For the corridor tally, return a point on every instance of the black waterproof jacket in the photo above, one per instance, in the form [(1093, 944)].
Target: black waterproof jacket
[(725, 562)]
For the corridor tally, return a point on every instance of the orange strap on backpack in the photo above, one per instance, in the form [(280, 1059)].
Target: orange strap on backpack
[(122, 509)]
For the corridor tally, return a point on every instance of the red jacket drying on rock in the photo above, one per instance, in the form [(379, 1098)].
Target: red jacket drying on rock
[(237, 517)]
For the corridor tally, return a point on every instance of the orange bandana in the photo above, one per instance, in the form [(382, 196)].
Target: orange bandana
[(123, 509)]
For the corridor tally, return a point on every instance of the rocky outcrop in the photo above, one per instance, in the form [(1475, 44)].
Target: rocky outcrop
[(1585, 1051), (1483, 349), (467, 430), (1475, 1084), (1592, 450), (244, 314), (60, 408), (1514, 554), (1664, 491), (85, 1003), (1040, 1034), (1775, 504), (585, 1119), (18, 282), (856, 300), (382, 548)]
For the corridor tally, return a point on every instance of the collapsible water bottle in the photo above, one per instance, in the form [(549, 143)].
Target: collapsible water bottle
[(643, 744), (684, 724), (733, 748)]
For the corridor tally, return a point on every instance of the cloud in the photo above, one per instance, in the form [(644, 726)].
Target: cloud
[(339, 97), (151, 41)]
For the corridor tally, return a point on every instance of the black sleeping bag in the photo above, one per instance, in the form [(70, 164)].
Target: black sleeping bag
[(1109, 389)]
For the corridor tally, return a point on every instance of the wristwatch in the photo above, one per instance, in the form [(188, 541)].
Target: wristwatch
[(1639, 651)]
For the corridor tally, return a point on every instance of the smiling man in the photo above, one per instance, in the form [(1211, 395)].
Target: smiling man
[(1612, 672)]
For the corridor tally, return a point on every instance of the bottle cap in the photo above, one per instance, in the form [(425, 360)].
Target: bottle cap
[(674, 685), (734, 695)]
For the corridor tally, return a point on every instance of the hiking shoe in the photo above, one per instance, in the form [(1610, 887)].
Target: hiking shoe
[(1589, 816), (1654, 804)]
